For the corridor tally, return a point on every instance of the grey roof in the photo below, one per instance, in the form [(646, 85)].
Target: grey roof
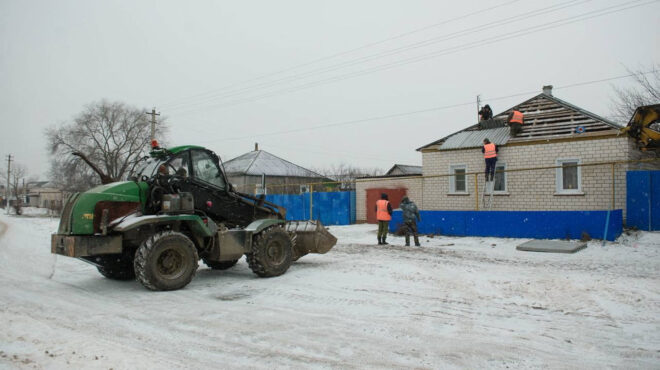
[(475, 139), (260, 162), (406, 169), (546, 118)]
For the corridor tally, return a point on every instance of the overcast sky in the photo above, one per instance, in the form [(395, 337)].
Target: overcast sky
[(227, 74)]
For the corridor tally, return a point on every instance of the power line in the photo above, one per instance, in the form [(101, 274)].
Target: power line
[(349, 51), (409, 113), (489, 25), (451, 50)]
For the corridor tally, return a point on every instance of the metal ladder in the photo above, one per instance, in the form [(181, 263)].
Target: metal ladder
[(487, 195)]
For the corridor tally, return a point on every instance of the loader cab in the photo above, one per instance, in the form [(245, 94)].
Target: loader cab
[(198, 171)]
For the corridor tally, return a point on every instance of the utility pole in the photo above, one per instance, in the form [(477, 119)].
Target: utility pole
[(7, 188), (478, 106), (153, 115)]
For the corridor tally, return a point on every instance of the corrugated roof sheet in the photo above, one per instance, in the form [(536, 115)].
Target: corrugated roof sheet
[(405, 169), (475, 139), (260, 162)]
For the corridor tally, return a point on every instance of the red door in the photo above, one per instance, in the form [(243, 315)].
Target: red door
[(394, 195)]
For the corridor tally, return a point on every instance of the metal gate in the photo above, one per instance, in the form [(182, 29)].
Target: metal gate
[(643, 200)]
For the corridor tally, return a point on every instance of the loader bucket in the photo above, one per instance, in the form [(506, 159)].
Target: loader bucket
[(309, 237)]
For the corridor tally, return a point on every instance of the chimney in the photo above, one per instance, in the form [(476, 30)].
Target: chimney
[(256, 147), (547, 90)]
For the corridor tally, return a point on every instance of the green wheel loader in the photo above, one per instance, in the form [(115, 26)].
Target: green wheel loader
[(177, 208)]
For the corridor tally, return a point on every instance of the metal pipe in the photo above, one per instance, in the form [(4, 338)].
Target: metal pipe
[(476, 192)]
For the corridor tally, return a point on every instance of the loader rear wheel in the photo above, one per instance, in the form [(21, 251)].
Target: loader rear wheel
[(271, 252), (215, 265), (166, 261)]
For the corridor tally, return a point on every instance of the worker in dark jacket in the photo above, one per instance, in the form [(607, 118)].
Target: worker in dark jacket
[(383, 215), (410, 218), (515, 119), (490, 155), (485, 113)]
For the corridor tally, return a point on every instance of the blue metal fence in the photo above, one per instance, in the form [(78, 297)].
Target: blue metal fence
[(519, 224), (643, 200), (331, 208)]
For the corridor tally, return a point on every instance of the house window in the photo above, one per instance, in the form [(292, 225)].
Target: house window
[(458, 182), (569, 178), (500, 178)]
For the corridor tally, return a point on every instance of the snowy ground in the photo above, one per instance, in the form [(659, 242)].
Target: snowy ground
[(454, 303)]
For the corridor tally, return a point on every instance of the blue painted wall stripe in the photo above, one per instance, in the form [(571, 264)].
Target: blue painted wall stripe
[(518, 224)]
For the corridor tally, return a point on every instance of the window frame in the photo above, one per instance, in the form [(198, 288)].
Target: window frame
[(559, 177), (452, 178), (504, 179)]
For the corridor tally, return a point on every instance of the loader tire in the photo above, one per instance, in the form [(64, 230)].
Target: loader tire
[(215, 265), (117, 267), (166, 261), (271, 252)]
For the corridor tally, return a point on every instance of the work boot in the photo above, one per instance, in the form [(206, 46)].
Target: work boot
[(379, 242), (384, 242), (407, 241), (417, 242)]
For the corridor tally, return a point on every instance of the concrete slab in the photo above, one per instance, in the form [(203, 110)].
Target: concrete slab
[(552, 246)]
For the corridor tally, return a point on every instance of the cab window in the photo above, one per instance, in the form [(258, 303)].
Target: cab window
[(178, 166), (205, 168)]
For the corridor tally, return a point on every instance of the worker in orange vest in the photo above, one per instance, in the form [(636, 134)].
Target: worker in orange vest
[(516, 119), (383, 215), (490, 155)]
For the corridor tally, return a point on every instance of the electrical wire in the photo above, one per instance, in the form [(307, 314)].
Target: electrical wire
[(349, 51), (452, 50), (409, 113)]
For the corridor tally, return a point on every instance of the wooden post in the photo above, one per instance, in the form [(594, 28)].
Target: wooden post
[(476, 191)]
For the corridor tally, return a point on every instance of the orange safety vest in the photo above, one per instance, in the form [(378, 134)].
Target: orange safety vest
[(489, 151), (517, 117), (381, 210)]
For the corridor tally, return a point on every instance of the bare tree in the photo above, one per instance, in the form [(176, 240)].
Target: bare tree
[(346, 174), (645, 92), (16, 190), (102, 144)]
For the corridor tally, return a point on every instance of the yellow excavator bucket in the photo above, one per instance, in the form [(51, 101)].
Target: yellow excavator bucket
[(644, 127)]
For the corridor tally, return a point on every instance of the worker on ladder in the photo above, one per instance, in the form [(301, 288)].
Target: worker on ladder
[(515, 119), (490, 155)]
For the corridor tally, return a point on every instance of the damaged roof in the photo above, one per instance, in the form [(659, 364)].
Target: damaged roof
[(546, 118), (260, 162)]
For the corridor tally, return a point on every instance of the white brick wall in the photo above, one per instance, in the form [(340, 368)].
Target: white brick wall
[(414, 186), (527, 190)]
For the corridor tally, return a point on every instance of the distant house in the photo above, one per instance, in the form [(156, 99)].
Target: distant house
[(43, 194), (563, 142), (281, 176), (403, 169)]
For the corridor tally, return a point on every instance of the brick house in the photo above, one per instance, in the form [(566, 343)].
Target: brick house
[(562, 142)]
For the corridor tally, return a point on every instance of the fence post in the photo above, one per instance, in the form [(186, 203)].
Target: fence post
[(476, 192), (613, 186), (311, 201)]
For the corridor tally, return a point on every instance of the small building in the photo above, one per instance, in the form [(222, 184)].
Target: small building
[(565, 159), (246, 172), (43, 194), (404, 169)]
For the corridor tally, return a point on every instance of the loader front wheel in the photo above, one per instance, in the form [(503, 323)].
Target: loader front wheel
[(271, 252), (166, 261)]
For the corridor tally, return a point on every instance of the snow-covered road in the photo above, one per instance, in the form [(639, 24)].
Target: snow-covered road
[(454, 303)]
